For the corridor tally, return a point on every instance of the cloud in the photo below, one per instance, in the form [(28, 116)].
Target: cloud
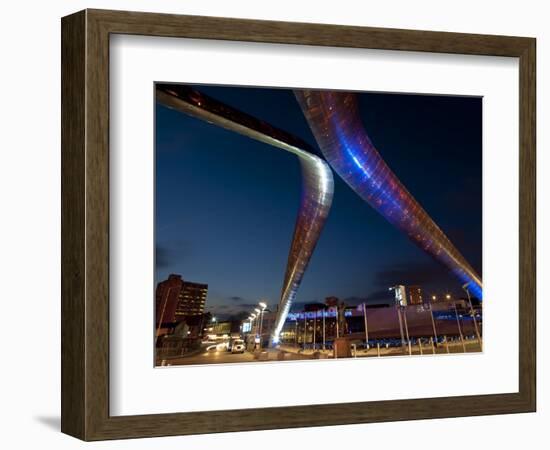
[(168, 255), (232, 311), (380, 296), (163, 258), (409, 274), (247, 306)]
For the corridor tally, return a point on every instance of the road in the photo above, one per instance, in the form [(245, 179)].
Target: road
[(211, 357), (221, 356), (224, 357)]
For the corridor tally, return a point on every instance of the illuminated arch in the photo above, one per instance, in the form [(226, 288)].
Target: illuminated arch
[(317, 180), (336, 124)]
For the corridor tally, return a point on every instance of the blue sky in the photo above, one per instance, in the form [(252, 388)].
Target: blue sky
[(226, 205)]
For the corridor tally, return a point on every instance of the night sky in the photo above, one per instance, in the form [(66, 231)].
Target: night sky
[(226, 205)]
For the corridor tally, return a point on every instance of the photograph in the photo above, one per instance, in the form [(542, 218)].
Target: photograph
[(300, 224)]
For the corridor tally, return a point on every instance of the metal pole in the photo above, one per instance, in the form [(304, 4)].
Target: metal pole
[(366, 326), (314, 330), (472, 313), (305, 329), (337, 326), (324, 313), (296, 332), (459, 329), (261, 323), (398, 309), (161, 318), (407, 329), (433, 322)]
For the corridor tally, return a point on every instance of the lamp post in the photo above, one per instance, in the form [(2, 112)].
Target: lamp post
[(262, 305), (257, 311), (252, 325)]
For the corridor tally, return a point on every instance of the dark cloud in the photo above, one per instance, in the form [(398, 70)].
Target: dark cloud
[(380, 296), (168, 255), (233, 312), (354, 300), (247, 306), (163, 257), (242, 315), (236, 298), (409, 273)]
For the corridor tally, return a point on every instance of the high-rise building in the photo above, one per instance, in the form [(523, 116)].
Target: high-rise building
[(177, 299), (192, 299), (414, 295)]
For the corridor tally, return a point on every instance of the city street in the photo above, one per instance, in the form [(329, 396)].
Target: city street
[(292, 353), (221, 356), (211, 357)]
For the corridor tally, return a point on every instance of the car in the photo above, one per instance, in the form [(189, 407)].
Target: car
[(222, 346), (238, 346)]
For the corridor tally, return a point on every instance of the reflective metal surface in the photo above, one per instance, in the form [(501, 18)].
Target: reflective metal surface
[(336, 124), (317, 180)]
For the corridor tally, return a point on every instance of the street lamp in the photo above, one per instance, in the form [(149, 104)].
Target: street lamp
[(262, 305), (257, 311), (252, 317), (448, 296)]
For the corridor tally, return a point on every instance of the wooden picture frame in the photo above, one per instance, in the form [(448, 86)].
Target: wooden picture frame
[(85, 224)]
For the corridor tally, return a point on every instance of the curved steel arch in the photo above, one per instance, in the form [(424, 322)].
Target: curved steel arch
[(317, 179), (336, 124)]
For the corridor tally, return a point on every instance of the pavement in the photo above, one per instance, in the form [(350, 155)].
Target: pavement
[(452, 347), (288, 353)]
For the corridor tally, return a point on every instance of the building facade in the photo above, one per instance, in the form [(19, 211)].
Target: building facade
[(177, 299), (414, 295), (192, 299)]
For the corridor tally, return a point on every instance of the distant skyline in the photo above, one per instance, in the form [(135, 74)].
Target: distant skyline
[(226, 205)]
